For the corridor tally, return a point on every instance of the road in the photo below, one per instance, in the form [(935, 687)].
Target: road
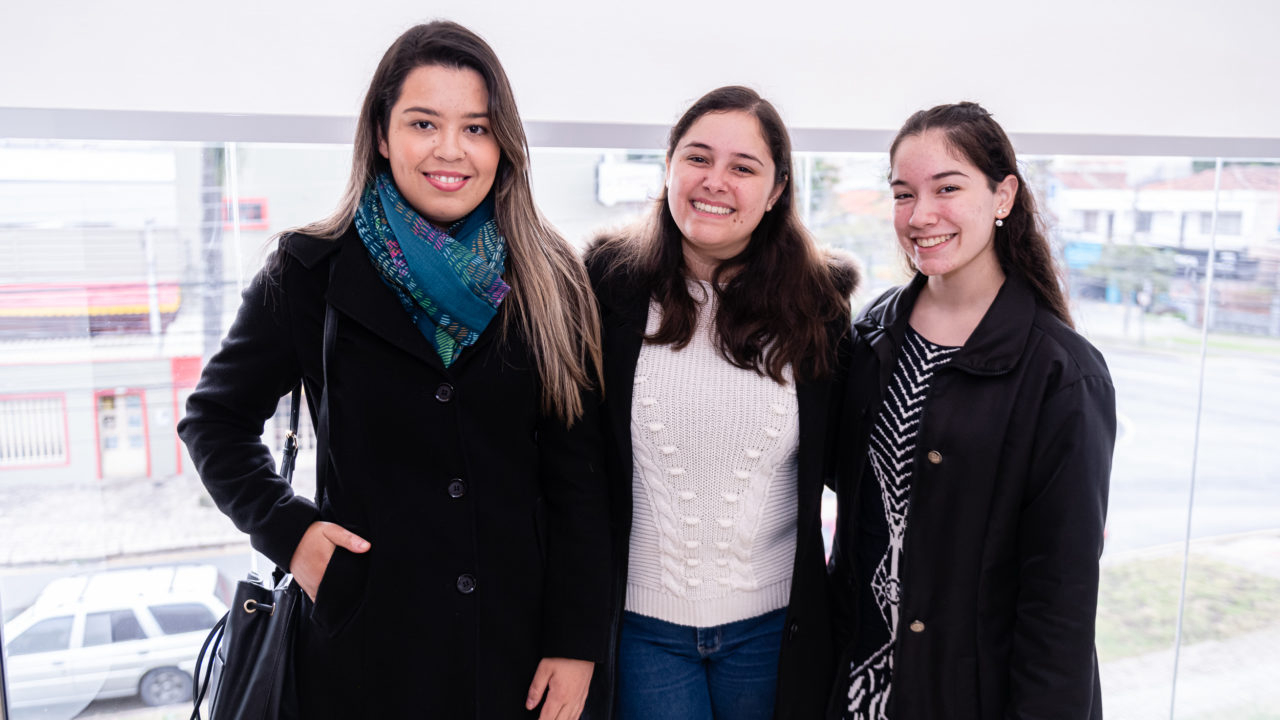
[(1237, 479)]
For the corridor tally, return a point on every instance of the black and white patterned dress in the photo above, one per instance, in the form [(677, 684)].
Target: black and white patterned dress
[(883, 523)]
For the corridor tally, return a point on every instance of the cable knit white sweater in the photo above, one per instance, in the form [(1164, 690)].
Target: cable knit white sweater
[(713, 531)]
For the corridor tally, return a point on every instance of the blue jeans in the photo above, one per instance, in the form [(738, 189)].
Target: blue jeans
[(727, 672)]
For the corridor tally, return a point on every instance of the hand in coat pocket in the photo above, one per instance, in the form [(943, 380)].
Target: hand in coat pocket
[(311, 558)]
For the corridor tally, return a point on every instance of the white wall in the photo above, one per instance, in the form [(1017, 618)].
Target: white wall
[(1118, 67)]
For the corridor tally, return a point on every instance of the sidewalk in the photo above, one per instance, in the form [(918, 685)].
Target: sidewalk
[(1233, 679), (102, 520)]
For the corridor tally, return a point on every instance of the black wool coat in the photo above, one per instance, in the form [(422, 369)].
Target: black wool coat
[(487, 518), (999, 575), (805, 667)]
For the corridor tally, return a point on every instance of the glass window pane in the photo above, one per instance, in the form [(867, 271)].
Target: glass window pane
[(125, 260), (97, 629), (45, 636), (182, 617), (113, 626)]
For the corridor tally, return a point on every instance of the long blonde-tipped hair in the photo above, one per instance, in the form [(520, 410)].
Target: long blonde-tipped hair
[(553, 303)]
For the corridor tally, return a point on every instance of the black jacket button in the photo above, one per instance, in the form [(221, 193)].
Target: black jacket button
[(466, 583), (457, 488), (444, 393)]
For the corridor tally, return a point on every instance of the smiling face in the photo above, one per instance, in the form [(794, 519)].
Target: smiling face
[(944, 209), (442, 152), (720, 184)]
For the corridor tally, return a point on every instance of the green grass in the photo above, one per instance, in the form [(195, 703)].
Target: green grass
[(1138, 604), (1231, 343)]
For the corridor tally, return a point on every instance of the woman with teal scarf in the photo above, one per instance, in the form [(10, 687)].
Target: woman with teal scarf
[(456, 562)]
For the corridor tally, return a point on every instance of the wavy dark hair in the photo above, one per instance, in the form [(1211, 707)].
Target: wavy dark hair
[(779, 299), (1021, 245), (553, 303)]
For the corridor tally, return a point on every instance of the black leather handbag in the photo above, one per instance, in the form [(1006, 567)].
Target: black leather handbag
[(245, 668)]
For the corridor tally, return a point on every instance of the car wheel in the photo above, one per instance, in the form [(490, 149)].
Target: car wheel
[(165, 686)]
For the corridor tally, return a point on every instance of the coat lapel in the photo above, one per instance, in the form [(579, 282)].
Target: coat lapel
[(357, 292)]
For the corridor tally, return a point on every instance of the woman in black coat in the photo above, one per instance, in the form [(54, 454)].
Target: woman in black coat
[(722, 323), (456, 565), (979, 430)]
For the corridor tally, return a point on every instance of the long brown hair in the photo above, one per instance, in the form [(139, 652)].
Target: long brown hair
[(778, 299), (553, 303), (1020, 243)]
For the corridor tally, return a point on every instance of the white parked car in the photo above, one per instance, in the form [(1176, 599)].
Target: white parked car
[(115, 633)]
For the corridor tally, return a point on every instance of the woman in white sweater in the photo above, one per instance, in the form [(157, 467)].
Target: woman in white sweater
[(722, 323)]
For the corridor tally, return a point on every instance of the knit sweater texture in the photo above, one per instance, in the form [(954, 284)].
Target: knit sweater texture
[(713, 485)]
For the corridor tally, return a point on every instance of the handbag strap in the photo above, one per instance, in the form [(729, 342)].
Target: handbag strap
[(207, 650), (290, 455)]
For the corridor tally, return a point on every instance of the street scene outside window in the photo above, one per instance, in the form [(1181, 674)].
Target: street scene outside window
[(123, 267)]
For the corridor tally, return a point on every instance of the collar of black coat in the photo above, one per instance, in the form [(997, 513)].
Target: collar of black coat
[(623, 299), (995, 345), (358, 293), (308, 249)]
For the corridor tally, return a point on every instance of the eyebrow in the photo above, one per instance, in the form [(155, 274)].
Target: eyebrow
[(704, 146), (939, 176), (429, 111)]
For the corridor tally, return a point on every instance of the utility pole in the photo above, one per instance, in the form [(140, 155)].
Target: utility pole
[(211, 178)]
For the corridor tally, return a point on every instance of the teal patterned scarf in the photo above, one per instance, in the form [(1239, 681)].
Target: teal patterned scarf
[(451, 282)]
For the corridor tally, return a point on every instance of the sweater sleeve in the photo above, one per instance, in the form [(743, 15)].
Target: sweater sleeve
[(239, 389), (1053, 668)]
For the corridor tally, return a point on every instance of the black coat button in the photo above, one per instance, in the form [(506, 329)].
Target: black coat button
[(457, 488), (466, 583), (444, 393)]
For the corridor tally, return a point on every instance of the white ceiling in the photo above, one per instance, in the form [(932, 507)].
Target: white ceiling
[(1109, 67)]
